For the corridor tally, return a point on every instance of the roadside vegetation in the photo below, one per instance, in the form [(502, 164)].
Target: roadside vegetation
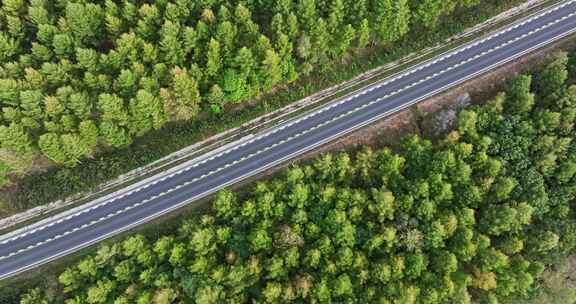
[(477, 215), (157, 76)]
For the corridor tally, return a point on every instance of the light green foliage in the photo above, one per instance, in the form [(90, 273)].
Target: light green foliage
[(146, 113), (183, 102), (33, 297), (89, 134), (271, 71), (213, 58), (363, 34), (74, 147), (8, 47), (15, 139), (84, 21), (306, 10), (50, 145)]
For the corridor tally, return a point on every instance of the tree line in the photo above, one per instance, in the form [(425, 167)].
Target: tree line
[(79, 75), (477, 214)]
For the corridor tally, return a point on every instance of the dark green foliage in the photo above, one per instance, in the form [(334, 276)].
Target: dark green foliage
[(477, 214), (520, 99), (552, 77)]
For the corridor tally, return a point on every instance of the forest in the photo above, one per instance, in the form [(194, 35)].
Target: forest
[(475, 215), (80, 76)]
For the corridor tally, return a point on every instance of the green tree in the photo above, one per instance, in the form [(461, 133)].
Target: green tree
[(363, 34), (63, 45), (343, 286), (8, 47), (213, 58), (427, 12), (183, 102), (391, 18), (9, 90), (216, 96), (16, 139), (146, 113), (71, 279), (30, 101), (503, 187), (306, 10), (74, 148), (519, 99), (13, 6), (234, 86), (501, 219), (34, 296), (553, 76), (84, 21), (114, 134), (225, 205), (271, 70), (320, 41), (100, 292), (226, 34), (112, 109), (543, 241), (343, 41), (89, 134)]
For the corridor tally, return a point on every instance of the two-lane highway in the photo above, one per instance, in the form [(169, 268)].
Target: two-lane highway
[(72, 232)]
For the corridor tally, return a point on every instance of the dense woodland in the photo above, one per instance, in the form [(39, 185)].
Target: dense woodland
[(79, 75), (477, 214)]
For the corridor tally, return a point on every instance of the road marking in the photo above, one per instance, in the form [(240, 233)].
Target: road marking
[(329, 107)]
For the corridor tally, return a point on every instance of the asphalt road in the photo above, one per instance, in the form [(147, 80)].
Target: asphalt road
[(67, 234)]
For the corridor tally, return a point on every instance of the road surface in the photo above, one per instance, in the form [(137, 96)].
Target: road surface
[(69, 233)]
